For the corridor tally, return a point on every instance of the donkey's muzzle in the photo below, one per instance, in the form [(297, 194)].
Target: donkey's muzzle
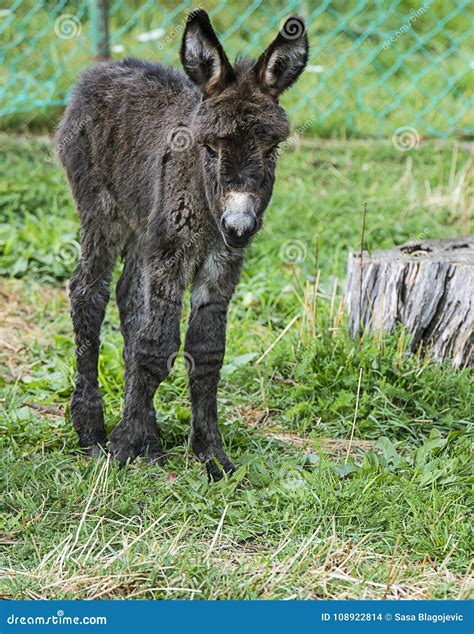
[(239, 220)]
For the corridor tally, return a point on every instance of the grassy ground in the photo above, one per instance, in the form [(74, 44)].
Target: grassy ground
[(354, 462)]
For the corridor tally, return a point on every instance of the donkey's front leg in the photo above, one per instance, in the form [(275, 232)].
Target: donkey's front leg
[(153, 352), (205, 348)]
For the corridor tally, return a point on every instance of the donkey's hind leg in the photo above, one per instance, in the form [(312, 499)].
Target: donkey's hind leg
[(89, 291), (131, 300)]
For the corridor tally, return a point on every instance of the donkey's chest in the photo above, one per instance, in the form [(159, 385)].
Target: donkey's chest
[(217, 274)]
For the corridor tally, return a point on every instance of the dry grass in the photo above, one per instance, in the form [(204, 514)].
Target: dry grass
[(265, 423), (320, 568), (20, 328)]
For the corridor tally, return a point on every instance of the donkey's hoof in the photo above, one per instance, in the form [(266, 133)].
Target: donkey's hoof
[(122, 457), (151, 449), (123, 451), (94, 452), (154, 456), (216, 470)]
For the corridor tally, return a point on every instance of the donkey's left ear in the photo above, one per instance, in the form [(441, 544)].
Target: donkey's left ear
[(284, 60), (203, 57)]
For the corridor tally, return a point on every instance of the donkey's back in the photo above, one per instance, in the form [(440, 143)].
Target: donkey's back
[(115, 128)]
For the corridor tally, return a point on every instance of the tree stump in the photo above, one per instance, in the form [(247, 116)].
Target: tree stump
[(427, 286)]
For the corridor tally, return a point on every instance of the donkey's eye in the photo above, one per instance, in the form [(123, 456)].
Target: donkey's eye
[(210, 151)]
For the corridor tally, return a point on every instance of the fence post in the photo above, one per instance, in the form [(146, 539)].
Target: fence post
[(99, 18)]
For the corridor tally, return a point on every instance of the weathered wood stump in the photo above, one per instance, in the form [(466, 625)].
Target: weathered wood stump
[(427, 286)]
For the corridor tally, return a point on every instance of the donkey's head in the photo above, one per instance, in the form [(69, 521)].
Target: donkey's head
[(239, 123)]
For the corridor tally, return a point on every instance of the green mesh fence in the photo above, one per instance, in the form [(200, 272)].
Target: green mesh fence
[(374, 66)]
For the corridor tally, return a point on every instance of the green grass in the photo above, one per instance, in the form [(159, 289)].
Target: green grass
[(310, 513), (354, 86)]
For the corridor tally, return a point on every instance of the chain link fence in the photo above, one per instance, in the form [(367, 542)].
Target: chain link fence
[(374, 66)]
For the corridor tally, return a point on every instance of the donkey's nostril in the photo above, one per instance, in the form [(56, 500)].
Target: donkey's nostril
[(253, 224), (239, 219), (238, 225)]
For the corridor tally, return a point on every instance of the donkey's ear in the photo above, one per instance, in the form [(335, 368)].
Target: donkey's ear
[(284, 60), (203, 57)]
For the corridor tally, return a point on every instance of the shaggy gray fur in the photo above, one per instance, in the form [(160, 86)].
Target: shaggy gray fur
[(173, 172)]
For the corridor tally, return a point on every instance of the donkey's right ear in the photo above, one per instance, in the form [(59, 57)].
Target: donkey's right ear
[(203, 57)]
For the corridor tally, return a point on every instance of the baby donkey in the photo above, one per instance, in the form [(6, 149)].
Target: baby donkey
[(173, 172)]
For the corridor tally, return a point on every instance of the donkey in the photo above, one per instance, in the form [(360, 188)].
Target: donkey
[(173, 172)]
